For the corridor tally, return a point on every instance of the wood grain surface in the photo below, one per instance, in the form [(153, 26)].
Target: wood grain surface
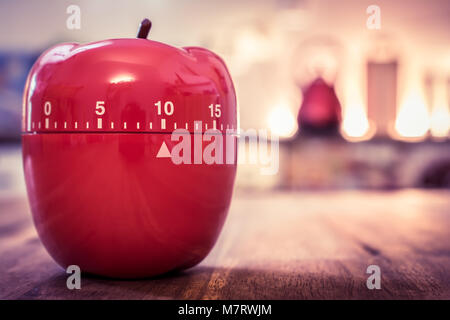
[(273, 246)]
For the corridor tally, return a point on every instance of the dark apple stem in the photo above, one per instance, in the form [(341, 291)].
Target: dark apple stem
[(144, 29)]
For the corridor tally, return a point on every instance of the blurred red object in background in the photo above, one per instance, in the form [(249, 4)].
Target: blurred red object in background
[(320, 112)]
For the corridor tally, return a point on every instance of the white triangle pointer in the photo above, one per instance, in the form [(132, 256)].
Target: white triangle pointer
[(163, 151)]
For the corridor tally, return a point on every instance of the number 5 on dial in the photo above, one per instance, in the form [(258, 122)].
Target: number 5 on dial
[(100, 108)]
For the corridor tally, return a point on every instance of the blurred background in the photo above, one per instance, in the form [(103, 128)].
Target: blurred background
[(357, 104)]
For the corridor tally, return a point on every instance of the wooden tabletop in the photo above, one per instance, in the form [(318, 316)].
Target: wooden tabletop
[(273, 246)]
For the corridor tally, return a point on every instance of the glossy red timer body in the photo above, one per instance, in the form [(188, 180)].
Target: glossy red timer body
[(96, 117)]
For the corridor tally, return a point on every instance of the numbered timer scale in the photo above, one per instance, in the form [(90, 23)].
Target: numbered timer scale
[(96, 118), (161, 113)]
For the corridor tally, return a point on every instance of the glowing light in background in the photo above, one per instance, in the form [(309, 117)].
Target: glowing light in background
[(413, 120), (251, 45), (440, 116), (355, 123), (282, 121)]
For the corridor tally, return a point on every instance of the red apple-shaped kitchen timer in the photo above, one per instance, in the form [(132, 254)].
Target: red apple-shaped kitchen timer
[(97, 127)]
